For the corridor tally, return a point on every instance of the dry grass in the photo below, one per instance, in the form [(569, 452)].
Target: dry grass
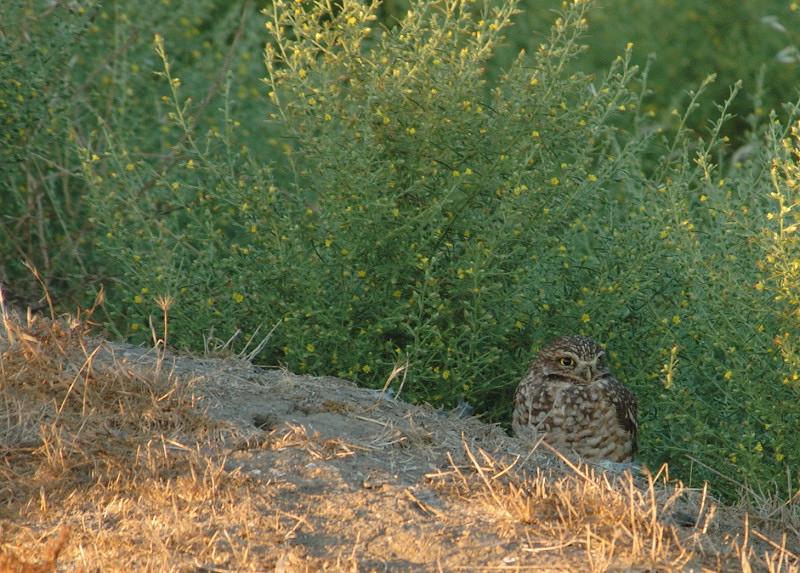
[(594, 520), (117, 468), (128, 461)]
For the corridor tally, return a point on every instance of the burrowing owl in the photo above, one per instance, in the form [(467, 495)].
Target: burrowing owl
[(569, 398)]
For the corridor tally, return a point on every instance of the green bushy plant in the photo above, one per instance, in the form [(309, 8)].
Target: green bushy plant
[(419, 210), (427, 213), (39, 201), (700, 345), (752, 42), (440, 205), (67, 69)]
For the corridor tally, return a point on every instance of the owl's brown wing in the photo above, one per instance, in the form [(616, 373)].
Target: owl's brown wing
[(627, 410)]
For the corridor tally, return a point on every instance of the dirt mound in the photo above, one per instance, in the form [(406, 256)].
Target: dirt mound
[(163, 462)]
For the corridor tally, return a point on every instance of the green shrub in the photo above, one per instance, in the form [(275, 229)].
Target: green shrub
[(752, 42), (419, 210), (69, 69), (699, 339), (39, 202), (427, 213)]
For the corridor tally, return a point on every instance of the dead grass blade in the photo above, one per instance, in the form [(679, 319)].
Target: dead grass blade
[(396, 371), (611, 521)]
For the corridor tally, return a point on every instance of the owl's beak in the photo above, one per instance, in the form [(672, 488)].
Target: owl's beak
[(589, 373)]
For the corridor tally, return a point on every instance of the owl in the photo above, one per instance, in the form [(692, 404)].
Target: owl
[(569, 398)]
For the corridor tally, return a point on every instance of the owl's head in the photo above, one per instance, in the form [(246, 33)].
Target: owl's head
[(575, 358)]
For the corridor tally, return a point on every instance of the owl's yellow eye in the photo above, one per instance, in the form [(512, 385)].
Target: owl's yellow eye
[(567, 361)]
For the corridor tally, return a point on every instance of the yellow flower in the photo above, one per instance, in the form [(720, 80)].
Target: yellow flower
[(310, 347)]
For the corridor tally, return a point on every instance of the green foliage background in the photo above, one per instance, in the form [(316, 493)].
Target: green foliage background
[(402, 185)]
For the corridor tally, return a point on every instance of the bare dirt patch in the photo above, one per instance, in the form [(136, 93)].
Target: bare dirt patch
[(119, 458)]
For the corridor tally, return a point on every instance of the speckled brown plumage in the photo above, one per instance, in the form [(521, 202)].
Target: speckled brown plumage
[(569, 398)]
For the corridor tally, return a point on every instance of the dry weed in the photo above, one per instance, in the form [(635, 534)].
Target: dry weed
[(131, 456), (70, 418), (614, 521)]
